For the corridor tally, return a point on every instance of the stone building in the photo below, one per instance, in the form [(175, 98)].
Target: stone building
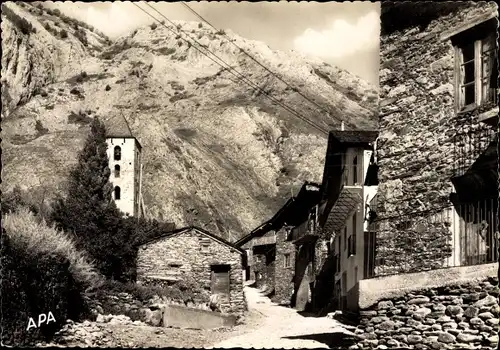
[(437, 201), (272, 254), (193, 255), (124, 154)]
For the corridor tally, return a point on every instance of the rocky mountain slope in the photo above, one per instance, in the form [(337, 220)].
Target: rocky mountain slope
[(217, 153)]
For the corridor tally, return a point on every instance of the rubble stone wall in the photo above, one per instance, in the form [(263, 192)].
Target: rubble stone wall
[(192, 262), (463, 316), (415, 149)]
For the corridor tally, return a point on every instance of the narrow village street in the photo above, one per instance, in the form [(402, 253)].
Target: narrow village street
[(282, 327)]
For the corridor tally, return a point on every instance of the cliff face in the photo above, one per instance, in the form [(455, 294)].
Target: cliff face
[(418, 146), (217, 153)]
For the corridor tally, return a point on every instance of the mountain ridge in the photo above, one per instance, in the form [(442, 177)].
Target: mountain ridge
[(216, 154)]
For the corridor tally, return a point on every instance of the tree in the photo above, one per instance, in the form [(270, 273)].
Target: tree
[(87, 210)]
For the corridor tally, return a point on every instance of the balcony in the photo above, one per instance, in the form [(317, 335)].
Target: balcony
[(265, 240), (304, 233)]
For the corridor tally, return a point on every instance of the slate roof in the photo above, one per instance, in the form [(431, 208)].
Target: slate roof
[(117, 126), (354, 136), (200, 230), (294, 212)]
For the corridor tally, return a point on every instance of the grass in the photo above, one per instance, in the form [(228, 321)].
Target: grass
[(35, 236)]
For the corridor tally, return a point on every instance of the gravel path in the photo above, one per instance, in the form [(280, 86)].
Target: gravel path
[(282, 327)]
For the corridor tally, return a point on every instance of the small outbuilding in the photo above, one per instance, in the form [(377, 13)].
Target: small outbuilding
[(196, 255)]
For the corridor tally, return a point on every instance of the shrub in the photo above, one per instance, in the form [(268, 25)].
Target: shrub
[(79, 118), (63, 33), (38, 238), (82, 36), (34, 283), (200, 25), (153, 26), (25, 26), (56, 12)]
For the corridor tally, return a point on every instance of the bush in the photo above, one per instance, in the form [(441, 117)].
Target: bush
[(34, 283), (63, 33), (144, 293), (200, 25), (56, 12), (154, 26), (25, 26), (37, 237), (79, 118), (82, 36)]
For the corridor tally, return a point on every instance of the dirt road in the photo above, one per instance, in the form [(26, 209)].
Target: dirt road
[(281, 327)]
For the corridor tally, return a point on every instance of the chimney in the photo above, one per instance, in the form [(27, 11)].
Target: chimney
[(342, 126)]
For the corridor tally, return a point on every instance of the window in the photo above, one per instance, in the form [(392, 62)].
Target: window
[(354, 229), (349, 246), (117, 193), (117, 153), (287, 260), (345, 237), (476, 66), (117, 170), (355, 170), (205, 245)]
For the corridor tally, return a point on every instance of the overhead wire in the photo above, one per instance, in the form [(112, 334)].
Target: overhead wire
[(230, 69), (254, 59)]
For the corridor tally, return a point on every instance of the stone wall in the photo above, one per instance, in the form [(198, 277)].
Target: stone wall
[(188, 256), (462, 316), (418, 125), (283, 288)]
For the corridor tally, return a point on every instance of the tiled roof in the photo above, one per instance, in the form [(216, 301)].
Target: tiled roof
[(354, 136)]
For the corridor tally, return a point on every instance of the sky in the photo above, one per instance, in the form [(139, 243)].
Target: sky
[(344, 34)]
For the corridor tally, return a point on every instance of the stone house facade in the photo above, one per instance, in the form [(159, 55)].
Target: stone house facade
[(193, 255), (273, 263), (438, 114)]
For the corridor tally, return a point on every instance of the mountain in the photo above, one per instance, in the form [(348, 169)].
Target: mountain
[(217, 153)]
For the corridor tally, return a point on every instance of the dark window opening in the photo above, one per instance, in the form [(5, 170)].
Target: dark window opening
[(117, 170), (287, 260), (117, 193), (118, 153), (220, 279), (355, 170), (354, 229)]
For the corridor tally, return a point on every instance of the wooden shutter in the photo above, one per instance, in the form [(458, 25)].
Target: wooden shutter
[(478, 71)]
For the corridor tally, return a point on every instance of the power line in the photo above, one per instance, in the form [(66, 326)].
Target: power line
[(254, 59), (230, 69)]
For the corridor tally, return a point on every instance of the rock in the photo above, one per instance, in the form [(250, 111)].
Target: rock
[(446, 338), (444, 319), (419, 300), (386, 325), (439, 307), (471, 312), (385, 305), (476, 321), (492, 321), (468, 338), (422, 312), (486, 315), (450, 325), (487, 301), (392, 343), (414, 339), (454, 310), (100, 318), (493, 339)]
